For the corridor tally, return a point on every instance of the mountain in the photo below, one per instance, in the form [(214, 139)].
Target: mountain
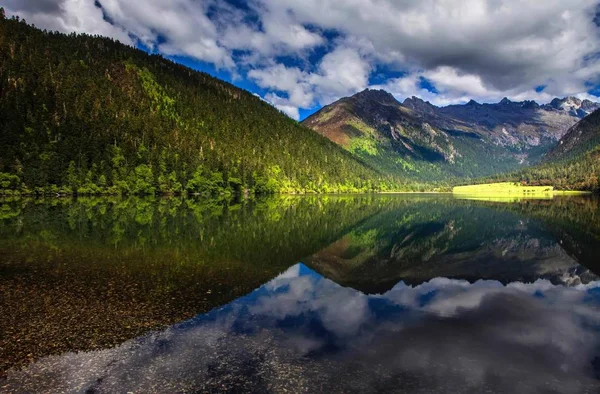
[(575, 161), (573, 105), (573, 164), (376, 128), (422, 140), (510, 123), (90, 115), (579, 139)]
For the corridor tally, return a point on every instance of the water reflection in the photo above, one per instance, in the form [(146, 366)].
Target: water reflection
[(301, 332), (422, 239), (91, 274)]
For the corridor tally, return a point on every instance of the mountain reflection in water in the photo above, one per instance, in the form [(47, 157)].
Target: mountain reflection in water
[(301, 332), (93, 293)]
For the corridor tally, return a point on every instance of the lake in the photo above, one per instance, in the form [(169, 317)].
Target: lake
[(354, 293)]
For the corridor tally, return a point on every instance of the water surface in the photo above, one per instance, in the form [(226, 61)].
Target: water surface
[(306, 294)]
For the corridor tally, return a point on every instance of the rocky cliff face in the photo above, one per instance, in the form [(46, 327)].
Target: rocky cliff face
[(573, 106)]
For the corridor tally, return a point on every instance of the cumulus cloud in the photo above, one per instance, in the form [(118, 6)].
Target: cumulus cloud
[(506, 42), (341, 72), (78, 16), (451, 86), (480, 49), (206, 30), (316, 51), (283, 105), (276, 34)]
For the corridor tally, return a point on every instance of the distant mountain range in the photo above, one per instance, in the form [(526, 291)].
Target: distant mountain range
[(573, 105), (422, 140)]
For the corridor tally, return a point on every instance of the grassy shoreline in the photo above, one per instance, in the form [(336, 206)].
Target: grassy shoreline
[(485, 190), (511, 191), (508, 189)]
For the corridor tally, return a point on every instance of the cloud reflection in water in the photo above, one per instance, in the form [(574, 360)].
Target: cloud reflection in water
[(305, 333)]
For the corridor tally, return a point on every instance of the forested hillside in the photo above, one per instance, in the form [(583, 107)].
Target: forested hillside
[(581, 138), (574, 164), (83, 114)]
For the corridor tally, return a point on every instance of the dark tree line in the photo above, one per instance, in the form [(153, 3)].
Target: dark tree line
[(579, 173)]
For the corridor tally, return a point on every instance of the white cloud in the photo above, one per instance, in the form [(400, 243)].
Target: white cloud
[(283, 105), (454, 87), (475, 48), (276, 34), (80, 16), (340, 73), (467, 49), (448, 78), (177, 27)]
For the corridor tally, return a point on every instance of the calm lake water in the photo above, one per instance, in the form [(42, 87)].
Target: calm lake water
[(362, 293)]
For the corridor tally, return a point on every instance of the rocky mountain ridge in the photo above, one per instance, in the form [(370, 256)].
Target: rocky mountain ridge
[(573, 105), (430, 142)]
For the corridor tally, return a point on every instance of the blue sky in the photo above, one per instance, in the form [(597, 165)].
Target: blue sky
[(302, 54)]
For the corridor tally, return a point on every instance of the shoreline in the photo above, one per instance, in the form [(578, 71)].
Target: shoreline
[(187, 195), (413, 193)]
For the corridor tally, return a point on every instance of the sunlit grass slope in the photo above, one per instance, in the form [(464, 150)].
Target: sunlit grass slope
[(506, 189)]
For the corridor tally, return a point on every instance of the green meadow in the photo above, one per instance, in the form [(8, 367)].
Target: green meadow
[(506, 189)]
